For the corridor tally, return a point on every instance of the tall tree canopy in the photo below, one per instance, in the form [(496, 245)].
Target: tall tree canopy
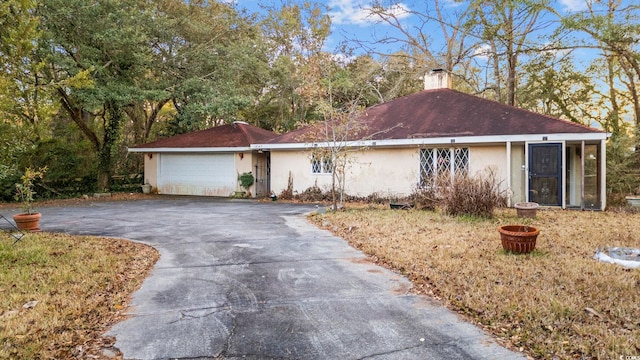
[(132, 61), (108, 41), (18, 119), (80, 81)]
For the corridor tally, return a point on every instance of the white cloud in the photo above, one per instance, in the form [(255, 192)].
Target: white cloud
[(574, 5), (453, 3), (343, 59), (483, 52), (357, 12), (556, 53)]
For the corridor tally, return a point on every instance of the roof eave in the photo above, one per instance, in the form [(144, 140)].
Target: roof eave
[(189, 149), (465, 140)]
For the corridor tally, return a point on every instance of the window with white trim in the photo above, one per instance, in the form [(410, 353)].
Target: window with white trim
[(322, 165), (442, 161)]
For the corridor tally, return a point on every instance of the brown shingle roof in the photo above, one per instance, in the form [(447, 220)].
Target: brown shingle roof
[(448, 113), (238, 134)]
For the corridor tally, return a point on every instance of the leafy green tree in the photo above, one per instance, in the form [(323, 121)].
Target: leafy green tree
[(19, 95), (623, 176), (108, 43), (295, 36), (210, 62)]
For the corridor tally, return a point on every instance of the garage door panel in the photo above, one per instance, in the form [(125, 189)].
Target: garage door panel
[(197, 174)]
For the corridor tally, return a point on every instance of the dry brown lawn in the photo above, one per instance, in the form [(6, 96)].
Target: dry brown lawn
[(60, 293), (555, 303)]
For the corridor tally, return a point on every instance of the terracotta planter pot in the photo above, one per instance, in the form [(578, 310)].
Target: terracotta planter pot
[(28, 222), (518, 239), (526, 209)]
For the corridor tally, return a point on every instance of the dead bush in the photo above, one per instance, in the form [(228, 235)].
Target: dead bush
[(287, 194), (312, 194), (424, 198), (373, 198), (475, 195)]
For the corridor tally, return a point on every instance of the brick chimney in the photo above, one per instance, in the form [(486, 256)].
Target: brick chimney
[(437, 79)]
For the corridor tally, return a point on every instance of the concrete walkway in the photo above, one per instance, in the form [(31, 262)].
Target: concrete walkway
[(247, 280)]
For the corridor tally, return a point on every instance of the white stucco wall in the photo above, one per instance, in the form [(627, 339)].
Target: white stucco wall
[(518, 174), (244, 163), (298, 165), (482, 158), (151, 169), (490, 158), (387, 171), (249, 162)]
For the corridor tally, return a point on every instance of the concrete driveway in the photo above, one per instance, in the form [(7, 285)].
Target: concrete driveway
[(243, 279)]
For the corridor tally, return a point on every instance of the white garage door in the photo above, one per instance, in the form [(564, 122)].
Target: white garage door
[(197, 174)]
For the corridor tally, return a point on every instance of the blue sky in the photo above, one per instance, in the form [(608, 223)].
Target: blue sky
[(350, 18)]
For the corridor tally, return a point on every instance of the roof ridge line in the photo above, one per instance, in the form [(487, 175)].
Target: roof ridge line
[(245, 133)]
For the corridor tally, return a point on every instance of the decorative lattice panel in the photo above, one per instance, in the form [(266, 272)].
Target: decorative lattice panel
[(461, 161), (316, 166)]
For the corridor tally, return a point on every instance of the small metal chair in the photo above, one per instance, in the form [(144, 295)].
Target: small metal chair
[(12, 230)]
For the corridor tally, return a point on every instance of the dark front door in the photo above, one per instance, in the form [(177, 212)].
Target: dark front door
[(262, 174), (545, 174)]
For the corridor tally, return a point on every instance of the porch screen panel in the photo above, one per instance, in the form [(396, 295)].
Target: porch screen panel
[(592, 177)]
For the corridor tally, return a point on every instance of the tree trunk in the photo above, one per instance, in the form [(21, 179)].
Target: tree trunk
[(614, 118), (102, 180), (113, 119), (511, 79), (153, 117), (496, 72)]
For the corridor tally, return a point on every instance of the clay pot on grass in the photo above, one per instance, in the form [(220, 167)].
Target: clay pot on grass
[(526, 209), (518, 239)]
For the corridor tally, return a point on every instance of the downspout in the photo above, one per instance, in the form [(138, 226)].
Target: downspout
[(582, 195), (526, 172), (563, 175), (603, 175), (509, 190)]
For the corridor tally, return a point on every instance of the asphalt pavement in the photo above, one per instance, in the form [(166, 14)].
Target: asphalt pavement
[(241, 279)]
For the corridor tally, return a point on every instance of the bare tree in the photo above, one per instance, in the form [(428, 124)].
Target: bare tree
[(335, 135), (613, 28), (451, 49), (506, 28)]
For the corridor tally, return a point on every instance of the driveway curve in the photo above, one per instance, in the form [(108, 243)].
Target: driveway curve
[(254, 280)]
